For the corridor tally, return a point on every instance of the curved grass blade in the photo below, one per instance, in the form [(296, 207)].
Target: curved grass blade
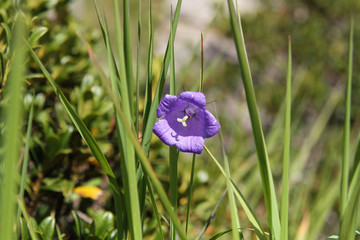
[(86, 135), (249, 213), (263, 159), (208, 222)]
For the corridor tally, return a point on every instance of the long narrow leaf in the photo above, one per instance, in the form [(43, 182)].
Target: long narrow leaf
[(84, 132), (286, 156), (346, 150), (263, 159), (11, 140), (249, 212)]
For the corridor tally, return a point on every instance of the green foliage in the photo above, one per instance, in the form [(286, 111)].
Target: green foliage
[(83, 125)]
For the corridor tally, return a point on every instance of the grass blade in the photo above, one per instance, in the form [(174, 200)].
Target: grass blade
[(189, 193), (349, 202), (11, 140), (147, 133), (86, 135), (249, 212), (173, 152), (26, 156), (264, 165), (286, 157), (27, 219), (346, 150)]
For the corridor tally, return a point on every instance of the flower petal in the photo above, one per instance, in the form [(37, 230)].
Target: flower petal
[(192, 144), (197, 98), (165, 132), (166, 104), (212, 125)]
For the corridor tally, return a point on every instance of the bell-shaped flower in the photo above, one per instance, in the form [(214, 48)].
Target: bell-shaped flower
[(185, 122)]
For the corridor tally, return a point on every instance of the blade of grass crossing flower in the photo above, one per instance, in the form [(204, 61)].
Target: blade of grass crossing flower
[(264, 165), (286, 156), (173, 152), (249, 213), (12, 137), (346, 150), (159, 90), (86, 135)]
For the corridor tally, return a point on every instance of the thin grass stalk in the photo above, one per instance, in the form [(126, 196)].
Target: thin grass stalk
[(191, 183), (11, 140), (148, 87), (349, 201), (201, 86), (286, 154), (346, 150), (263, 159), (201, 82), (235, 222), (137, 102), (27, 219), (128, 53), (26, 157), (208, 222), (156, 212)]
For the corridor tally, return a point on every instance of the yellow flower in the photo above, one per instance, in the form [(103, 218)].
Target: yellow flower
[(92, 192)]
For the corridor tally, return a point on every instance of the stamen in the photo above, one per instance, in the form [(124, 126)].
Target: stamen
[(183, 120)]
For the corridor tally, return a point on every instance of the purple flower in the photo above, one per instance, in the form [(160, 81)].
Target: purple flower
[(185, 122)]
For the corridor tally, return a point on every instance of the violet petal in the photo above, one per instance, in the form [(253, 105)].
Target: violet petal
[(197, 98), (212, 125), (165, 132), (166, 104), (192, 144)]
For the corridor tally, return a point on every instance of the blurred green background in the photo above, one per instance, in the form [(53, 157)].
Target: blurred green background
[(319, 29)]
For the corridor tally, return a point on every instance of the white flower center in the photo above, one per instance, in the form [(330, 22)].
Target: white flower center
[(183, 120)]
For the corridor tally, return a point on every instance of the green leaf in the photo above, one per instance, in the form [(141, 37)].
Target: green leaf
[(47, 227), (104, 223), (36, 34), (24, 230), (79, 227), (263, 158), (286, 156)]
